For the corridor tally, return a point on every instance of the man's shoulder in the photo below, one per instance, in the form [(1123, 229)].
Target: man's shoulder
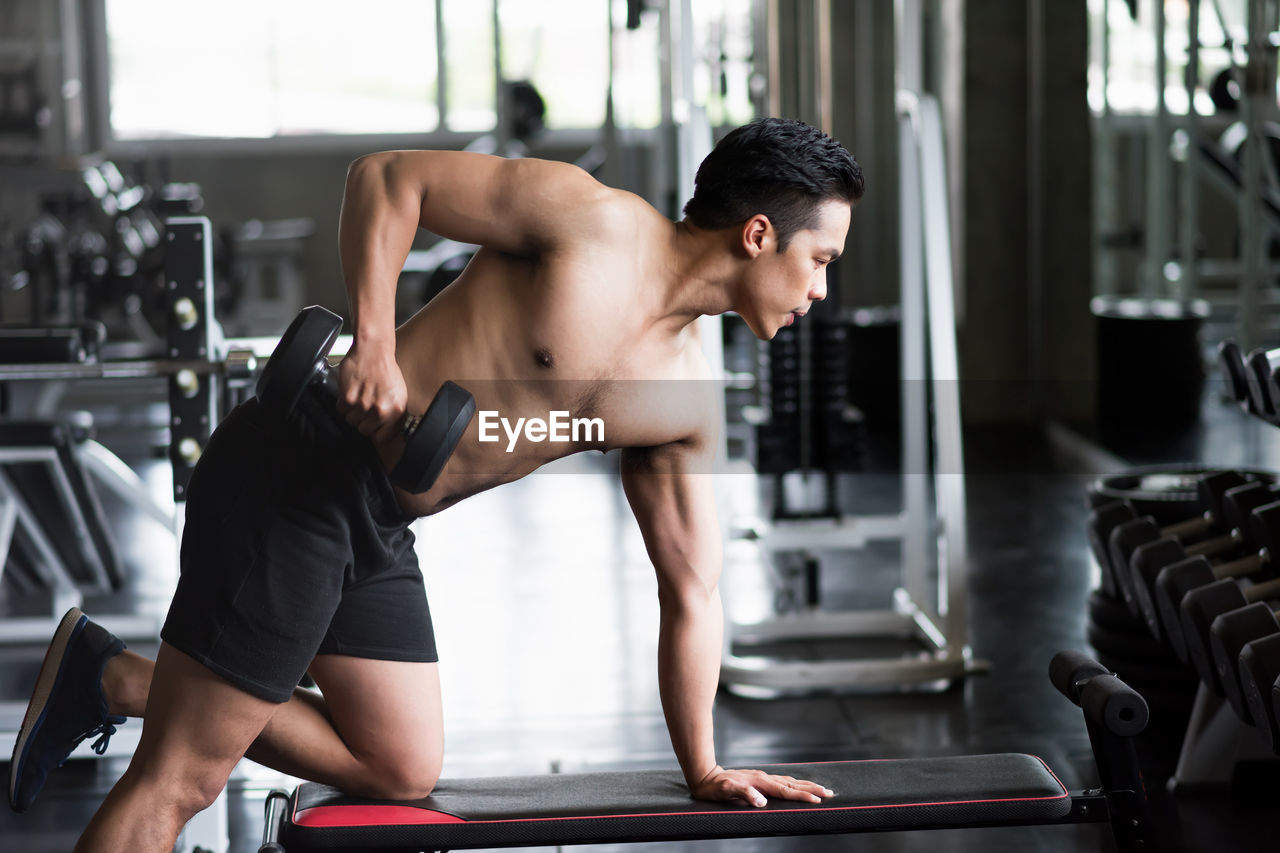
[(588, 208)]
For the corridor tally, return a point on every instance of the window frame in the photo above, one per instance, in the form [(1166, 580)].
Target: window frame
[(103, 137)]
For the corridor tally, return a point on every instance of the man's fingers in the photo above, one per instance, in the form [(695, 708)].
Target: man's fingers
[(793, 789)]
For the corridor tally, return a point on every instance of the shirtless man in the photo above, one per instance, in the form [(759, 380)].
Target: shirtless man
[(296, 552)]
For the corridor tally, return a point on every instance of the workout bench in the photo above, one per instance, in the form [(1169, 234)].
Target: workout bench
[(654, 806)]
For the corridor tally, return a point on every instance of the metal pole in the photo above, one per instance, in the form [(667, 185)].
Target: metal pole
[(502, 125), (1106, 215), (1157, 230), (823, 72), (775, 57), (917, 523), (442, 68), (1036, 342), (1189, 211), (1259, 88)]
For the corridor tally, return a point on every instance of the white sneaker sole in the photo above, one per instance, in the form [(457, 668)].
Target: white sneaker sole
[(45, 683)]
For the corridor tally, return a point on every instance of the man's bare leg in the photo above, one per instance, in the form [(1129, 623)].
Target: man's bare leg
[(197, 727), (377, 730), (379, 733)]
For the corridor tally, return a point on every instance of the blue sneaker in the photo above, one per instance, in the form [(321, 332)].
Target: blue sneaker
[(66, 707)]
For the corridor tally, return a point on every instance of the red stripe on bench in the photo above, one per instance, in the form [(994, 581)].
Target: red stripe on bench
[(329, 816)]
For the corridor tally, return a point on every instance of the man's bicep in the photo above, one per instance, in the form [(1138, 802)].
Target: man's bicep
[(515, 206)]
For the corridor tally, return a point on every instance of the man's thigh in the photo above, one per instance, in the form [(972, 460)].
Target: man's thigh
[(387, 712), (197, 725)]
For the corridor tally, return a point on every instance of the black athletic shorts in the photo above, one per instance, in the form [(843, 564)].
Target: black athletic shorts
[(294, 546)]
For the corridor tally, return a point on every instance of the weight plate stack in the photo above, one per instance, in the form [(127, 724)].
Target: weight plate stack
[(1165, 492)]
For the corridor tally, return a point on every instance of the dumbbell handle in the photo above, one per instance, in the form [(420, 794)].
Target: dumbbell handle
[(1262, 591), (1215, 546), (334, 387), (1243, 566), (1190, 527)]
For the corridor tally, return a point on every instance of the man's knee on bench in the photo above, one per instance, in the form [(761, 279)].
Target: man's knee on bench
[(400, 774)]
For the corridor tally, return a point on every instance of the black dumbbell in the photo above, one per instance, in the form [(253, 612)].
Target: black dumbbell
[(1202, 606), (300, 362), (1261, 368), (1126, 537), (1159, 599), (1146, 561), (1233, 367), (1259, 667), (1229, 634), (1106, 519)]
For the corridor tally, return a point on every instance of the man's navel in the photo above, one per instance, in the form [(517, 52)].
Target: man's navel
[(542, 357)]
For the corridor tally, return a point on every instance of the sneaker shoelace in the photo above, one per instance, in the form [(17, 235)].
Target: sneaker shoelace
[(104, 730)]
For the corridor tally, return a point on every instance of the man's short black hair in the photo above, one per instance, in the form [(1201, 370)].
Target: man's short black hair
[(779, 167)]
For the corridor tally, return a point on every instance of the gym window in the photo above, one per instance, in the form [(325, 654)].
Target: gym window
[(264, 69), (1122, 68)]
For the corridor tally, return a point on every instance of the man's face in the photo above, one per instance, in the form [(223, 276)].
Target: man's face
[(785, 284)]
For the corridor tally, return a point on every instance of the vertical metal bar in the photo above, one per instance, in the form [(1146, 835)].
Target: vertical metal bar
[(775, 57), (8, 523), (823, 73), (502, 126), (1036, 340), (193, 399), (98, 77), (666, 151), (442, 68), (915, 403), (1157, 227), (1106, 58), (1189, 210), (1250, 209), (945, 373), (910, 64), (1105, 220), (71, 80)]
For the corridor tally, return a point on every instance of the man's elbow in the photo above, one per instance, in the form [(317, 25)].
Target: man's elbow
[(692, 594), (369, 166)]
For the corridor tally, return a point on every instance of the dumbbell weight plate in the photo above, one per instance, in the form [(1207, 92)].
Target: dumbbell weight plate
[(433, 440), (293, 362), (1109, 613), (1258, 673)]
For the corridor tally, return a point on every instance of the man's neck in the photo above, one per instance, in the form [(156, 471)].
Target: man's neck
[(700, 274)]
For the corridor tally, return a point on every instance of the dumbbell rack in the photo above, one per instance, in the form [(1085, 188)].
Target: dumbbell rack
[(1217, 740), (932, 612)]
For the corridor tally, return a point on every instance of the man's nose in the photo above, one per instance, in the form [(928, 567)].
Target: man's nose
[(818, 291)]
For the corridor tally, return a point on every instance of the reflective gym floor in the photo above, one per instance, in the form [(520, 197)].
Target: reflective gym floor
[(545, 612)]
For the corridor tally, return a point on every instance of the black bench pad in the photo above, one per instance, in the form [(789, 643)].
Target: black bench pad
[(598, 808)]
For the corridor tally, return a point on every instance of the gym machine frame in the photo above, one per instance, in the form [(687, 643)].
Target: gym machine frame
[(196, 371), (930, 367)]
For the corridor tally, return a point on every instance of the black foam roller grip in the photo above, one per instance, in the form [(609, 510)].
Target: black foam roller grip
[(1110, 702), (1070, 667)]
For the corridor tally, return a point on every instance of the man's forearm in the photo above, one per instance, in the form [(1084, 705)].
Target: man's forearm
[(689, 647), (375, 232)]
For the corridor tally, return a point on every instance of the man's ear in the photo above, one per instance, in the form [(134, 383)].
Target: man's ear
[(757, 234)]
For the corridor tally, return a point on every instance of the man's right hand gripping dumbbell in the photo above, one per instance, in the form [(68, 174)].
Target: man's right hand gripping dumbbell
[(300, 361)]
